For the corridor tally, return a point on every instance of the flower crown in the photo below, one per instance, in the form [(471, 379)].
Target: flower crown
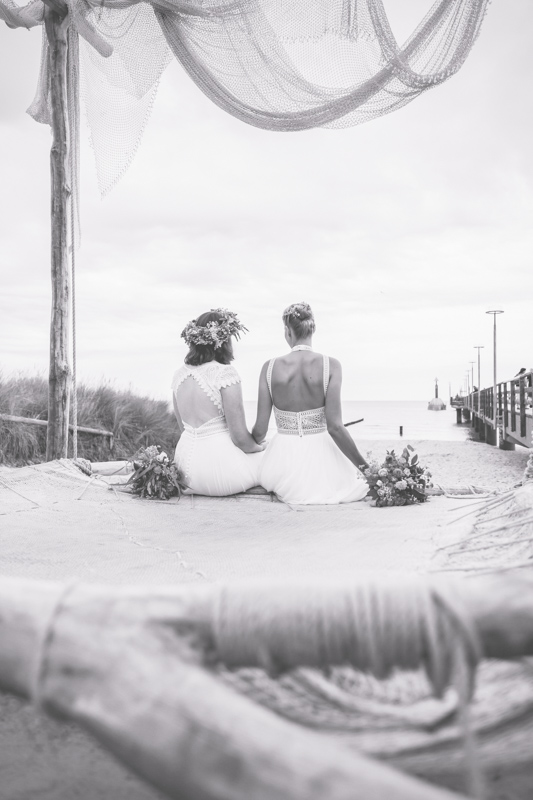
[(216, 332)]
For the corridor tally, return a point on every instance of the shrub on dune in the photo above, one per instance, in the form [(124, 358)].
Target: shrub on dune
[(134, 421)]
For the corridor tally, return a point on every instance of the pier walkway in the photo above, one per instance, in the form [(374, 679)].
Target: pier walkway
[(514, 412)]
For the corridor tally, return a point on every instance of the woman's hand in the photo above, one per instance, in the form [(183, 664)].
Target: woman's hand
[(234, 413)]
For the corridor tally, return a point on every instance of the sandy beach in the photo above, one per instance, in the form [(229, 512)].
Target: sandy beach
[(460, 463), (56, 524)]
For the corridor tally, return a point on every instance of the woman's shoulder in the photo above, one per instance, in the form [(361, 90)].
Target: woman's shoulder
[(180, 375), (225, 375)]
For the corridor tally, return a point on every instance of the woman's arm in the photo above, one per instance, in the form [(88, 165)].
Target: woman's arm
[(234, 412), (264, 407), (336, 429)]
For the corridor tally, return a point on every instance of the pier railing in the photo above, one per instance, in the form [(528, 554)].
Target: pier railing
[(514, 411)]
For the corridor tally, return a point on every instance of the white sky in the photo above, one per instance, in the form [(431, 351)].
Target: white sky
[(401, 233)]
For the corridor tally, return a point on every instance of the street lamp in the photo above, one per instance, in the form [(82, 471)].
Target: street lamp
[(478, 347), (472, 384), (494, 390)]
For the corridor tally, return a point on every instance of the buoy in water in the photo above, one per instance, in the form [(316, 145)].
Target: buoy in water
[(436, 404)]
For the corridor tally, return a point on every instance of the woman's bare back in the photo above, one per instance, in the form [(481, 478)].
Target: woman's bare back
[(298, 381)]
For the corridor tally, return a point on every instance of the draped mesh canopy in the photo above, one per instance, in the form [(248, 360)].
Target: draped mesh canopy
[(281, 65)]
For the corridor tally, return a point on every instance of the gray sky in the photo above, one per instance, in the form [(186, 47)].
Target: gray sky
[(401, 232)]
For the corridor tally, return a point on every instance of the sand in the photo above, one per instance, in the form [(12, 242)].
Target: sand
[(56, 524), (461, 463)]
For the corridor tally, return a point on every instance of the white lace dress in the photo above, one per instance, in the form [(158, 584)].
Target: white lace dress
[(211, 463), (302, 464)]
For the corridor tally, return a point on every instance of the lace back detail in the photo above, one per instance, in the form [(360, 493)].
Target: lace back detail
[(210, 377), (301, 423)]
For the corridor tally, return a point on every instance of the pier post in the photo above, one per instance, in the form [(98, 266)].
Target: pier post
[(458, 415), (505, 445), (490, 434)]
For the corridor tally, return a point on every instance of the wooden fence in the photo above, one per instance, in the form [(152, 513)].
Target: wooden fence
[(514, 410), (44, 423)]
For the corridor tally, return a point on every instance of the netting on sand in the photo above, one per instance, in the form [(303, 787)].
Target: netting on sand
[(278, 65)]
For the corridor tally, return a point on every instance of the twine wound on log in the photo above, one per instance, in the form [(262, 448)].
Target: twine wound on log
[(375, 627)]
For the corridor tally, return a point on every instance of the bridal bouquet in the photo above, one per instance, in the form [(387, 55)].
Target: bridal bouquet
[(155, 476), (399, 481)]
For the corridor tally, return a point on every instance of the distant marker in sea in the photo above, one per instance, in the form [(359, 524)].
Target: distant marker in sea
[(436, 404)]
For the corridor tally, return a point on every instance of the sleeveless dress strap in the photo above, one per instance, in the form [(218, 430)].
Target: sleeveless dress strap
[(326, 375), (269, 375)]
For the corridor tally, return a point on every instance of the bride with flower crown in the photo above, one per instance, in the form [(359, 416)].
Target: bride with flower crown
[(312, 459), (216, 453)]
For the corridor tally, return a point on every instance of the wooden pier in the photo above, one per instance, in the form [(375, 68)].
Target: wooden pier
[(514, 412)]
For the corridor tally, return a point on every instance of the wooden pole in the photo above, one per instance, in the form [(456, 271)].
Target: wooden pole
[(60, 373)]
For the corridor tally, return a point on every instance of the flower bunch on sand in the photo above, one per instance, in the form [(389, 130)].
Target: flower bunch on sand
[(399, 481), (155, 476)]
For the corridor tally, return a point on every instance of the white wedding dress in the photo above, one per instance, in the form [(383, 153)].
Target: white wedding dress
[(302, 464), (211, 464)]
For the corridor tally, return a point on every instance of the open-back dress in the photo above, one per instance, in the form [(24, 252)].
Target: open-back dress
[(302, 464), (210, 462)]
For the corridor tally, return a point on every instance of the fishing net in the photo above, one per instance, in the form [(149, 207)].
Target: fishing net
[(274, 64)]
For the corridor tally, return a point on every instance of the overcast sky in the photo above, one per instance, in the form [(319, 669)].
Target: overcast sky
[(400, 233)]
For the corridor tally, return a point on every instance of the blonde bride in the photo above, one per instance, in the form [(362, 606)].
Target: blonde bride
[(312, 459)]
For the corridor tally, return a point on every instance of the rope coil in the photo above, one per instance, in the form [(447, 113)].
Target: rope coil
[(373, 626)]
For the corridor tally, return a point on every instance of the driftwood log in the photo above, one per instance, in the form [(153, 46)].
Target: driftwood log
[(131, 666)]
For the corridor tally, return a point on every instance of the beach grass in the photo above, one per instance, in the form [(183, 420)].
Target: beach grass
[(135, 421)]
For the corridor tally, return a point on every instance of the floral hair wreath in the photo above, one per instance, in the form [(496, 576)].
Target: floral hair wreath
[(216, 332)]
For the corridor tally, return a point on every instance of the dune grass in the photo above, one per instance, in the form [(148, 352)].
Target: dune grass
[(135, 421)]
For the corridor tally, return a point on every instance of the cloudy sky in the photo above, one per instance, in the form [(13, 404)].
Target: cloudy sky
[(401, 232)]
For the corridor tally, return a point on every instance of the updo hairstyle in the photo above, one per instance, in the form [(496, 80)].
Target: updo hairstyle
[(299, 318), (202, 353)]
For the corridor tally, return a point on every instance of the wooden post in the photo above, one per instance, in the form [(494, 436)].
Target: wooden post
[(59, 374)]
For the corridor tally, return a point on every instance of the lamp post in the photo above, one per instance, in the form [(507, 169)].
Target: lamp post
[(472, 384), (494, 382), (478, 347)]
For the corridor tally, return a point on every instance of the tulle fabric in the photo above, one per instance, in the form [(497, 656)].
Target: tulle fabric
[(213, 465), (310, 470)]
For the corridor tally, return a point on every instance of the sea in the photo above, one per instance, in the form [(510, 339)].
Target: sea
[(382, 420)]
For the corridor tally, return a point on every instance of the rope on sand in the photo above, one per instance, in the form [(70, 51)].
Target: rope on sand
[(7, 486)]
